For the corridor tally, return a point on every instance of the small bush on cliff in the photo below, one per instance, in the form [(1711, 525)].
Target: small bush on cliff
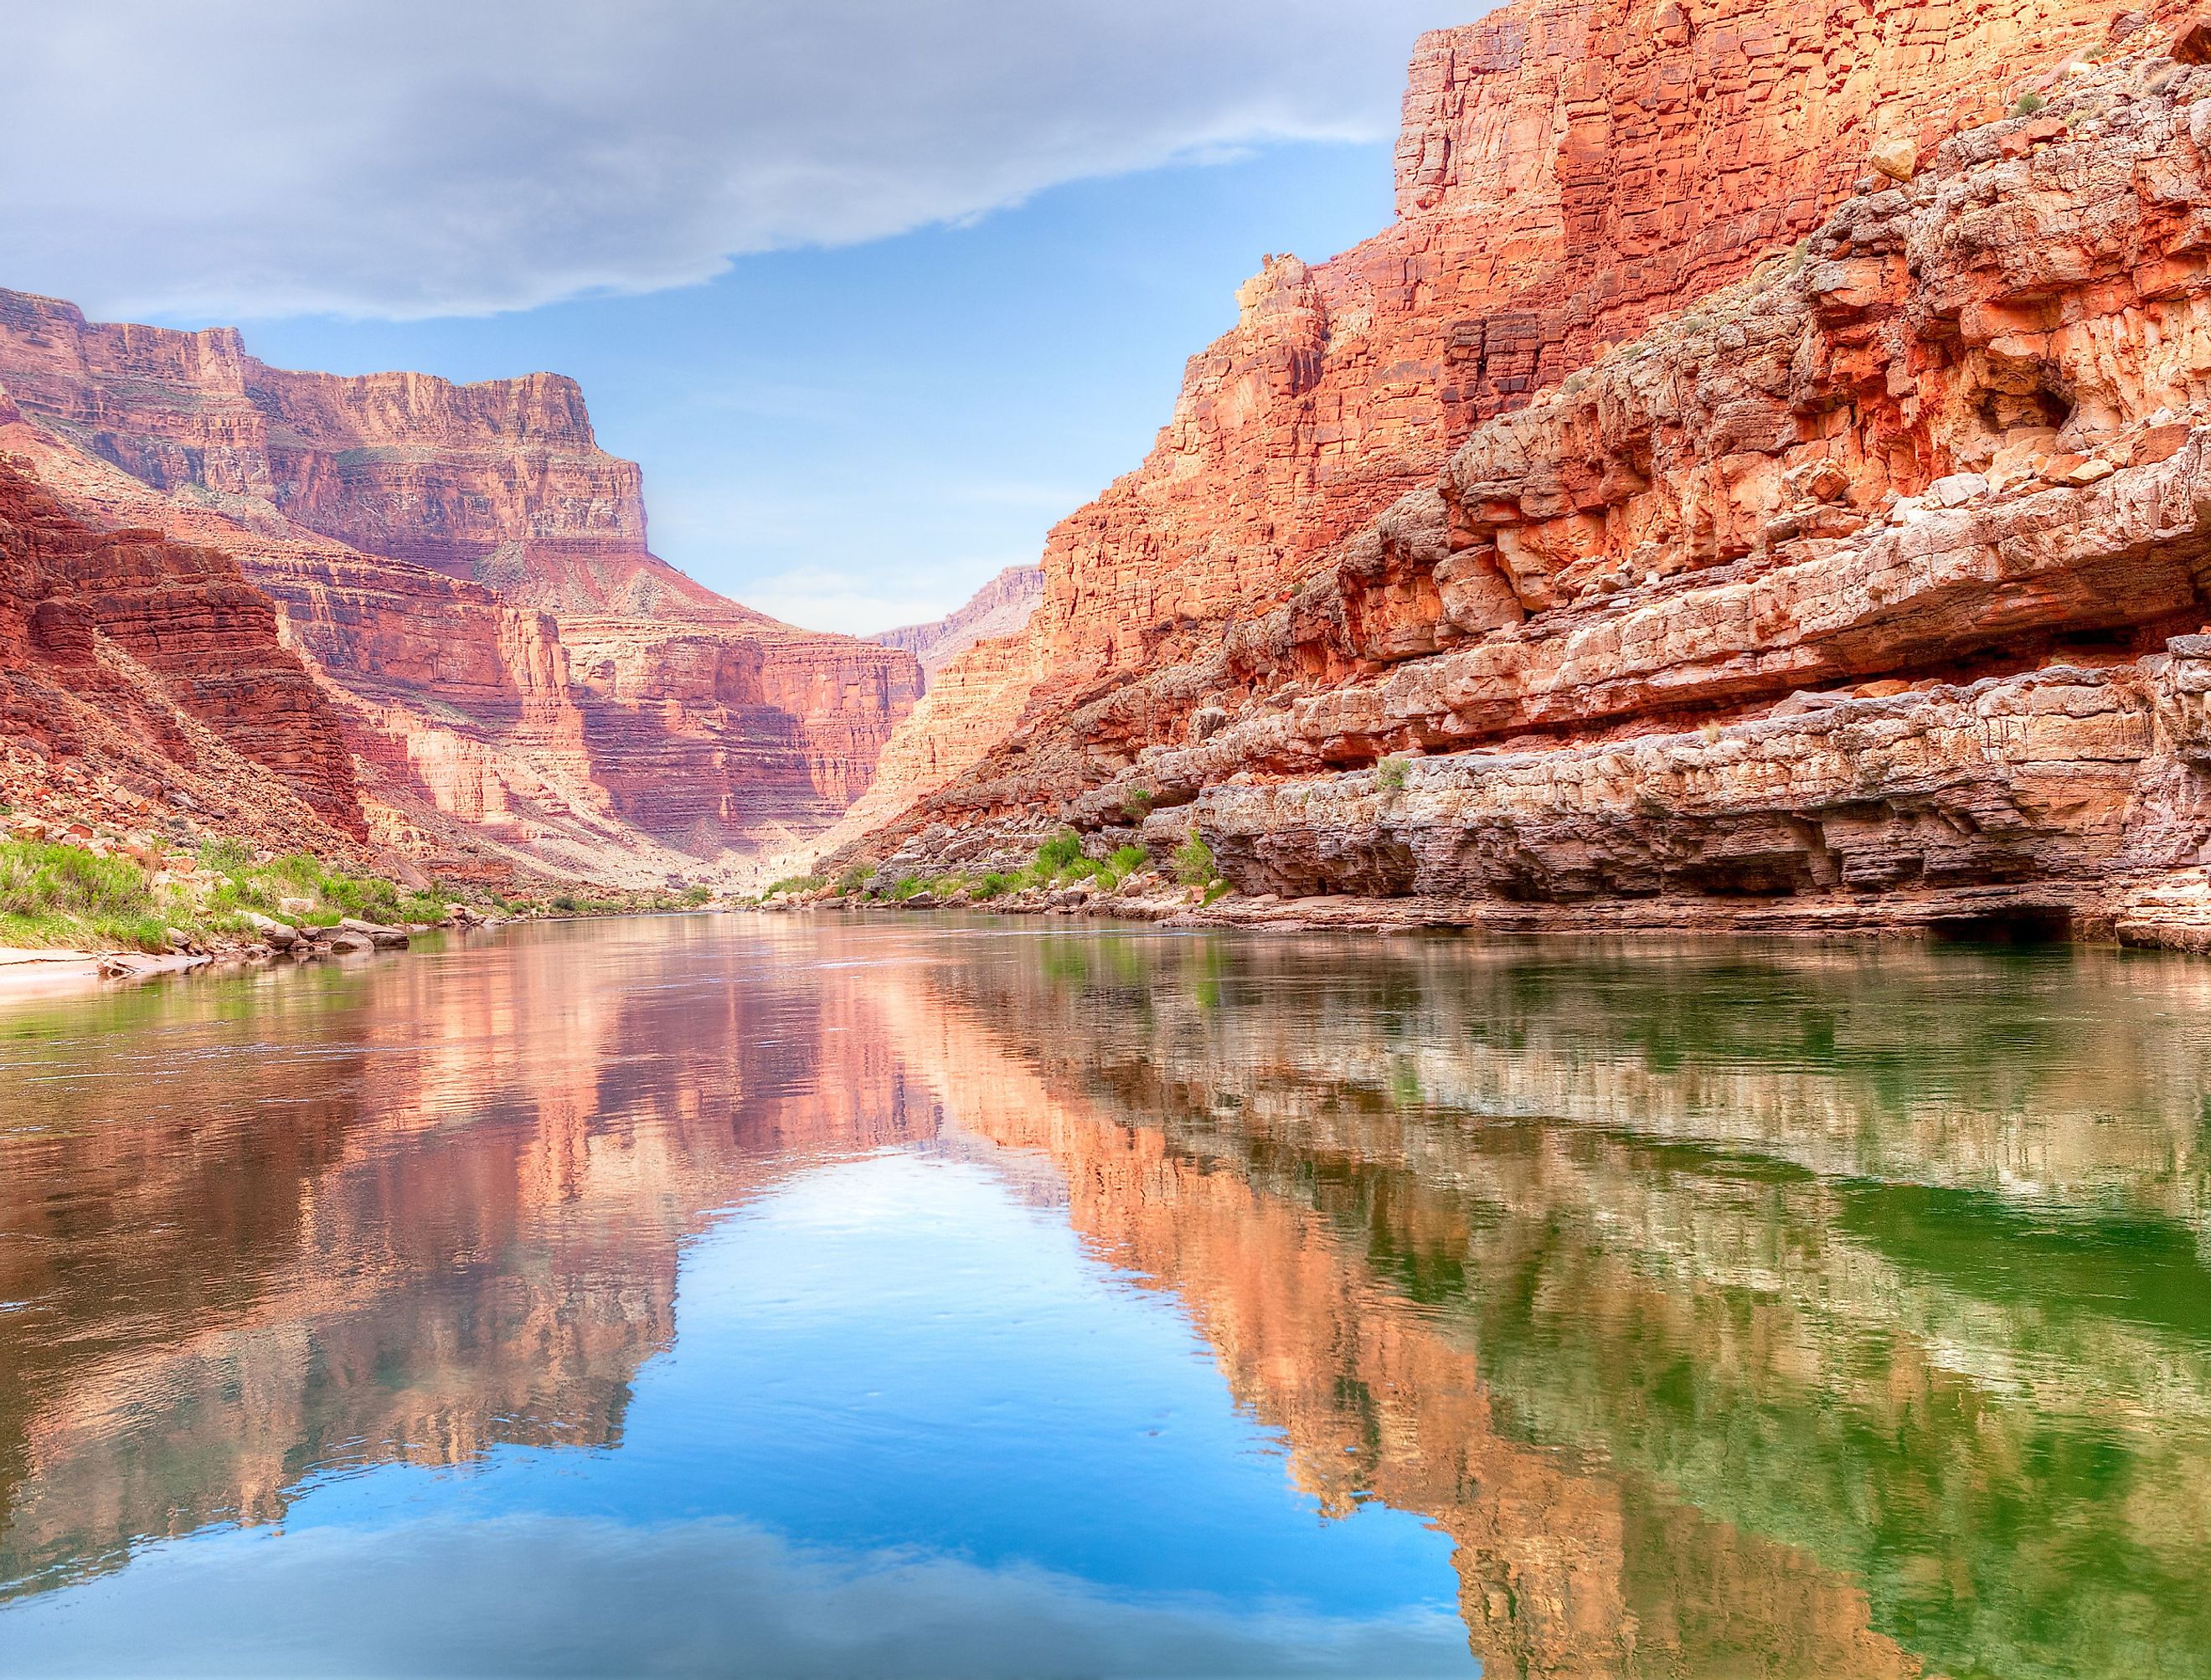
[(2027, 104), (226, 857), (1194, 864), (1137, 804), (1125, 862), (855, 878), (1059, 854), (1390, 775)]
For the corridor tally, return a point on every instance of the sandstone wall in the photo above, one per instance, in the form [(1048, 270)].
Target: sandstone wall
[(1863, 593), (465, 569), (1567, 173), (1002, 606)]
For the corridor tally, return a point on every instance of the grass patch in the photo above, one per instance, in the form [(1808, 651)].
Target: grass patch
[(1194, 863)]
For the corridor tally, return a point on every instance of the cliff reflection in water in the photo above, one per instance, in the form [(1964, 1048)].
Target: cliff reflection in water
[(1734, 1310)]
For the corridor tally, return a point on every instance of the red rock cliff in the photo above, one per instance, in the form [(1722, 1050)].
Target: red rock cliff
[(1761, 613), (1568, 171), (521, 678), (159, 664)]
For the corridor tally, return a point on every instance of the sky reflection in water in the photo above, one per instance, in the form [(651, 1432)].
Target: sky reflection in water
[(968, 1298)]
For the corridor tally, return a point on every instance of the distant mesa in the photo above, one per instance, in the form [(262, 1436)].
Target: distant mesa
[(1002, 606)]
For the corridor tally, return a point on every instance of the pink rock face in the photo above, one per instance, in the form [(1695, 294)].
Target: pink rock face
[(1863, 592), (521, 680), (143, 655), (1002, 606), (1567, 173)]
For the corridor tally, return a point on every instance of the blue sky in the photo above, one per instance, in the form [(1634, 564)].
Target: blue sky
[(874, 291), (856, 438)]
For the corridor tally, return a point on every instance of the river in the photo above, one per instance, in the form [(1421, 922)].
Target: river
[(924, 1294)]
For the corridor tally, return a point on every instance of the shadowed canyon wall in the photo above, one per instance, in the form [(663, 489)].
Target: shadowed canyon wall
[(1698, 509), (145, 669), (524, 683)]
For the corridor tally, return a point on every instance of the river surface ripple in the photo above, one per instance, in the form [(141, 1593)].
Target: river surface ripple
[(928, 1295)]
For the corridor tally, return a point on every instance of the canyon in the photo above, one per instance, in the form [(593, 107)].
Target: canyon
[(1757, 482), (524, 686)]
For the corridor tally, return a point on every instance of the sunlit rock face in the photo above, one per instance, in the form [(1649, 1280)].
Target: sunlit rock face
[(154, 669), (1799, 542), (461, 564)]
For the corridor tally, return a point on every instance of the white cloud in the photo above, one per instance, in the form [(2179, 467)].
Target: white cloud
[(409, 158), (549, 1595)]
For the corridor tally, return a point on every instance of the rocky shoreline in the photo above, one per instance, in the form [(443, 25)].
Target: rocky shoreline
[(2169, 912)]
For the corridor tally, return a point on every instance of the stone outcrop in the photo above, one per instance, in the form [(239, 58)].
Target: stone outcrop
[(1863, 593), (136, 669), (1002, 606), (523, 684)]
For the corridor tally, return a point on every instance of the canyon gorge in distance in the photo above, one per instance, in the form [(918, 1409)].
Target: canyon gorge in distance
[(1536, 1002), (1750, 486)]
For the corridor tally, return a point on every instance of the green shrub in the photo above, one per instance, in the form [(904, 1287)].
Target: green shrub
[(57, 895), (1058, 853), (694, 896), (2027, 104), (1137, 803), (1193, 862), (1390, 775), (1126, 861), (995, 884), (907, 886), (226, 857), (853, 879), (793, 883), (40, 879)]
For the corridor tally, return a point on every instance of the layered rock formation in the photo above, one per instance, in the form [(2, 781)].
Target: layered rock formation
[(138, 670), (1864, 593), (523, 683), (1002, 606)]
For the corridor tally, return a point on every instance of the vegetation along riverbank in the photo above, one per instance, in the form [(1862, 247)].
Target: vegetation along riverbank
[(134, 903)]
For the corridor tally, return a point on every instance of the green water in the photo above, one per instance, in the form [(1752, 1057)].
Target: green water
[(962, 1296)]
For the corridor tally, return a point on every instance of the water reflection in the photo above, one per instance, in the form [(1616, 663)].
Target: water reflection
[(1730, 1310)]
